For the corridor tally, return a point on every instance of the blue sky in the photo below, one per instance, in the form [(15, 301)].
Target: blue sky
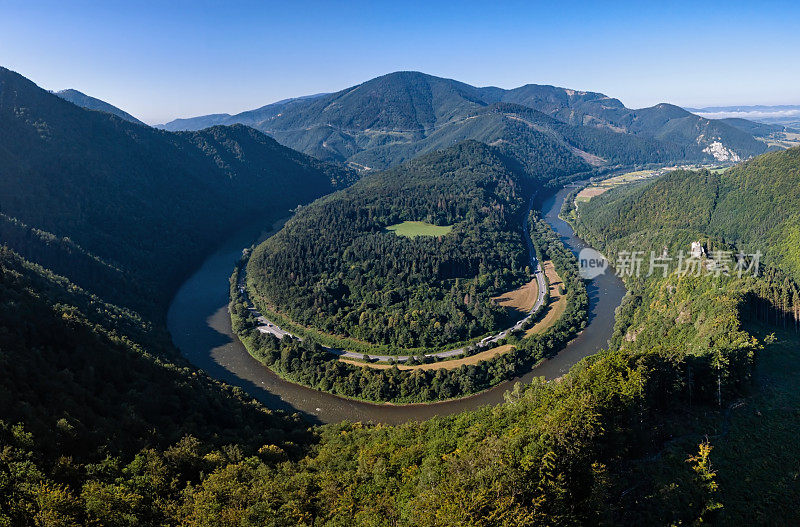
[(167, 59)]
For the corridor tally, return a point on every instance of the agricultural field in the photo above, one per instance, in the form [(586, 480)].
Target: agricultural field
[(521, 299), (601, 187), (782, 140), (412, 229), (557, 304)]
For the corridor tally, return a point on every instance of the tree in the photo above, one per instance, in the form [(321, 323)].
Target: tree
[(706, 485)]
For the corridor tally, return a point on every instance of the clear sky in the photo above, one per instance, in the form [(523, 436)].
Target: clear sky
[(173, 58)]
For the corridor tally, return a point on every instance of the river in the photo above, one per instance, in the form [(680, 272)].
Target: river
[(200, 327)]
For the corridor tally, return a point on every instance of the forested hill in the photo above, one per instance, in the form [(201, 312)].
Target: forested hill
[(389, 119), (336, 268), (91, 103), (119, 207), (755, 206), (673, 299), (90, 378)]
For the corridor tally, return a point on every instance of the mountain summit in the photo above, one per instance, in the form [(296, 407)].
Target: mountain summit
[(392, 118)]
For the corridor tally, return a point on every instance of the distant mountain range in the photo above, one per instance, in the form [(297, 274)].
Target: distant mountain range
[(759, 129), (214, 119), (392, 118), (90, 103), (785, 115)]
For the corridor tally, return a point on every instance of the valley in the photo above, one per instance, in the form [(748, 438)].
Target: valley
[(365, 307)]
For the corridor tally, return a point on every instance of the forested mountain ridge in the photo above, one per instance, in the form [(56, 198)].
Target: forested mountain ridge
[(91, 103), (85, 385), (376, 124), (748, 209), (142, 201), (87, 376), (754, 206), (99, 218)]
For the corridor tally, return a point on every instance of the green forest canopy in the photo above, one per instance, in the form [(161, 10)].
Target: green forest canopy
[(754, 206), (353, 278)]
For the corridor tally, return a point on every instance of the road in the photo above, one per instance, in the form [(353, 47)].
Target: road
[(268, 327)]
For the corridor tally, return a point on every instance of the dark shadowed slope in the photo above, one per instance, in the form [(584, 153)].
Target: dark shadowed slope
[(132, 202)]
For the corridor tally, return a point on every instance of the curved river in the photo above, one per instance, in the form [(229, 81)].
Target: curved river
[(200, 327)]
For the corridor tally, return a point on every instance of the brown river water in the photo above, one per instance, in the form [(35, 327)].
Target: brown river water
[(200, 327)]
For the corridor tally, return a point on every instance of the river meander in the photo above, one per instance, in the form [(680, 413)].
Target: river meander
[(200, 327)]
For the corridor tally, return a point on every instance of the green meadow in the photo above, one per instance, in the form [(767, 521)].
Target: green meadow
[(412, 229)]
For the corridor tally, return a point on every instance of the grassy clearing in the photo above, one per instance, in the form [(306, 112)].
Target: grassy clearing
[(412, 229), (521, 299), (589, 192)]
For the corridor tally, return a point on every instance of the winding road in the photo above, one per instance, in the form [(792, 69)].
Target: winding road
[(267, 326)]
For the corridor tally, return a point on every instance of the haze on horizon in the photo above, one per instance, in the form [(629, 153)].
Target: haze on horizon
[(159, 62)]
